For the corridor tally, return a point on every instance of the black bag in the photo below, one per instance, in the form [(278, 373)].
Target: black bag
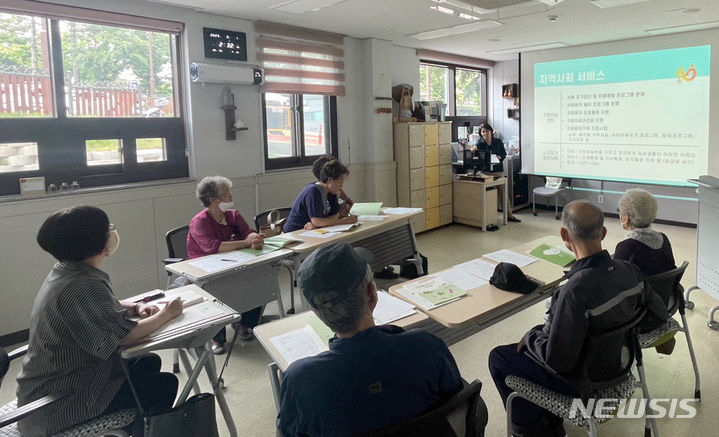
[(509, 277), (194, 417), (408, 269)]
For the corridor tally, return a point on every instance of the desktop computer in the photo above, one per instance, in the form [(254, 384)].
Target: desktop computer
[(479, 161)]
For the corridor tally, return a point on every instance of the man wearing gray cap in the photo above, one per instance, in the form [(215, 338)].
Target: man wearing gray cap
[(372, 376)]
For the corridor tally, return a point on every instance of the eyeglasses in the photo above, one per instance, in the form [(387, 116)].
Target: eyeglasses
[(112, 227)]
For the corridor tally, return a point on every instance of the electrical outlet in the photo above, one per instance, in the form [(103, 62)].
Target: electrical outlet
[(600, 199)]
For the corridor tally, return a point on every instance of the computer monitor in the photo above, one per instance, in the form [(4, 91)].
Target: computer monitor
[(481, 160)]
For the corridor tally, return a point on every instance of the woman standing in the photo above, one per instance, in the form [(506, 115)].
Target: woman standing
[(77, 325), (496, 147), (217, 228)]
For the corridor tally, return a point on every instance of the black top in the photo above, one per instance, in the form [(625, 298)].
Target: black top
[(595, 298), (380, 376), (497, 148), (650, 261)]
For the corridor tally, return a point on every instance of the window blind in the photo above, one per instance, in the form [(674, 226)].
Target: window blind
[(300, 61)]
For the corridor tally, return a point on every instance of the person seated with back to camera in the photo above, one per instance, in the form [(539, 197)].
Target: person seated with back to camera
[(495, 147), (317, 206), (216, 229), (77, 326), (372, 376), (646, 248), (600, 294)]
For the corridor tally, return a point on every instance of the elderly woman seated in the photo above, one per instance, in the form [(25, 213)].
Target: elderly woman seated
[(646, 248), (217, 228)]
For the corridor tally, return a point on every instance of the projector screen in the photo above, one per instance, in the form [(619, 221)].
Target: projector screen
[(639, 113)]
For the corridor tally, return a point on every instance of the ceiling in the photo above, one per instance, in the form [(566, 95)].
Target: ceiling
[(523, 23)]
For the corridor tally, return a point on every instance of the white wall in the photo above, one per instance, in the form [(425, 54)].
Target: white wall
[(503, 73), (143, 214)]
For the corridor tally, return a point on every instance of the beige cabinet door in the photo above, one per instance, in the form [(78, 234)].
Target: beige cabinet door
[(445, 154), (431, 156), (445, 133), (431, 134), (445, 194), (416, 157), (417, 199), (416, 135), (445, 174)]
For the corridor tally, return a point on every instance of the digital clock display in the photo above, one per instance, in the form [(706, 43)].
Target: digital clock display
[(225, 44)]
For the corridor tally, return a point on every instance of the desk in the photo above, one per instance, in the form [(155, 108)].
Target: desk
[(196, 339), (243, 286), (471, 201), (279, 365), (487, 304)]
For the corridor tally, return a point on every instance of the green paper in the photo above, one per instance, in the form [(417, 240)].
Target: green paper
[(257, 252), (370, 208), (321, 329), (443, 294), (562, 259)]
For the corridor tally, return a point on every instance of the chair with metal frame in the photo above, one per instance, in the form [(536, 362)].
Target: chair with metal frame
[(551, 188), (176, 242), (263, 219), (604, 372), (667, 285), (439, 422), (106, 425)]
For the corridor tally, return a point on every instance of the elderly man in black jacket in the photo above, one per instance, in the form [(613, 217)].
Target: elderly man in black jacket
[(600, 294)]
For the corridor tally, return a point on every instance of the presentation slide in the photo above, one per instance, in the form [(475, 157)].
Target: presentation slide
[(637, 117)]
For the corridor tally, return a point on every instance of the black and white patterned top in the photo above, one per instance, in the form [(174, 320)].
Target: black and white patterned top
[(76, 326)]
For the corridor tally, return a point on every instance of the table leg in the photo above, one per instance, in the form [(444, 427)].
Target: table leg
[(188, 368), (417, 257), (192, 379), (275, 383), (483, 202), (221, 401), (505, 203)]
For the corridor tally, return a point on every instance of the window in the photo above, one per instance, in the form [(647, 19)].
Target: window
[(463, 89), (88, 101), (298, 128)]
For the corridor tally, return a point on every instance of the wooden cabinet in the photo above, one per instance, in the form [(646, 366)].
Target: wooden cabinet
[(424, 171)]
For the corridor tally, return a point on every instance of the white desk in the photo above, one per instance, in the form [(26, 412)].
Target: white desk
[(195, 339), (243, 286)]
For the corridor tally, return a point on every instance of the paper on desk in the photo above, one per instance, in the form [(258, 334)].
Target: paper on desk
[(419, 301), (188, 298), (477, 267), (495, 159), (340, 228), (191, 317), (371, 218), (390, 308), (297, 344), (398, 211), (461, 279), (369, 208), (509, 256), (211, 264), (315, 234)]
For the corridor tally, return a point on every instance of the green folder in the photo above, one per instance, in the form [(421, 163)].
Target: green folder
[(370, 208), (554, 255), (322, 330), (270, 245), (443, 294)]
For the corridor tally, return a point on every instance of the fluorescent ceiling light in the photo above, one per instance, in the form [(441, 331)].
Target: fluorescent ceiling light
[(683, 28), (551, 45), (467, 16), (604, 4), (456, 30), (443, 10), (304, 6), (554, 2)]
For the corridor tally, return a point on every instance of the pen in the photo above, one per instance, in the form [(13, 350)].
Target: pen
[(151, 298), (229, 260)]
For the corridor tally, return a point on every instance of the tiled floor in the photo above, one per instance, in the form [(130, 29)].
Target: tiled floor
[(248, 389)]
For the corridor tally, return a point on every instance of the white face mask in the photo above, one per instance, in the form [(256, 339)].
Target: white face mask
[(224, 206), (113, 242)]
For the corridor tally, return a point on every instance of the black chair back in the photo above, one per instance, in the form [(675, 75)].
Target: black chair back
[(261, 218), (607, 357), (176, 240), (434, 423), (667, 286)]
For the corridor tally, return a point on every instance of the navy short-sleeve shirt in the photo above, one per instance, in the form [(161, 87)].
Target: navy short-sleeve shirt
[(311, 203), (381, 376)]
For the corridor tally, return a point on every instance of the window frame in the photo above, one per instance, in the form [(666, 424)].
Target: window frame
[(484, 73), (61, 149), (301, 160)]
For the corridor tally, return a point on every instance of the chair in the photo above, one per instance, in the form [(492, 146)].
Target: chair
[(552, 187), (667, 285), (604, 372), (176, 241), (10, 414), (438, 422), (261, 220)]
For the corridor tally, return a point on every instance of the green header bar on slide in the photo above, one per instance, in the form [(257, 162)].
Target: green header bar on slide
[(683, 64), (627, 180)]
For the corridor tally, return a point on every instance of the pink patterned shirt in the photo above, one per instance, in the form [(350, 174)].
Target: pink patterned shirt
[(206, 234)]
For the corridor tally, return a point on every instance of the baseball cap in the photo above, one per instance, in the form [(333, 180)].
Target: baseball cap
[(335, 267)]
